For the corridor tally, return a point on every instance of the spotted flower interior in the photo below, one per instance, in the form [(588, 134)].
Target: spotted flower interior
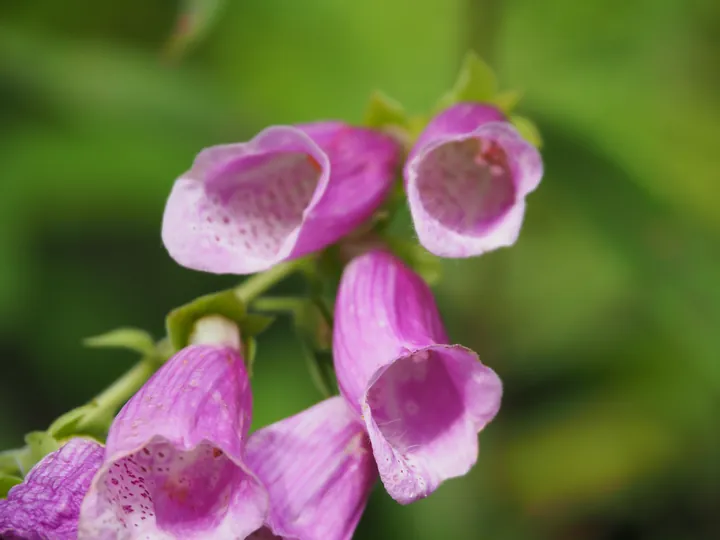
[(255, 202), (177, 491), (466, 185)]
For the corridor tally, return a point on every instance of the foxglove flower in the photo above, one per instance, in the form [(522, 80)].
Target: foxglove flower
[(318, 469), (466, 179), (174, 460), (290, 191), (423, 401), (47, 504)]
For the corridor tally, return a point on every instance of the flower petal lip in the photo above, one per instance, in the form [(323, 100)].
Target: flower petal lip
[(422, 400), (318, 469), (289, 191), (47, 503), (457, 119), (466, 180), (174, 464)]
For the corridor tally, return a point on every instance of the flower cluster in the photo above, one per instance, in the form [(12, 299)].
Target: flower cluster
[(179, 461), (291, 191)]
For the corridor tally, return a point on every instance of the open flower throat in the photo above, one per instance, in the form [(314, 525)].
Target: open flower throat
[(467, 185), (255, 202)]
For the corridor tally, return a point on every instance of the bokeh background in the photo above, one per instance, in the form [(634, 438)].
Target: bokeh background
[(603, 320)]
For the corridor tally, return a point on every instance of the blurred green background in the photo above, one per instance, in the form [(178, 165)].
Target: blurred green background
[(603, 321)]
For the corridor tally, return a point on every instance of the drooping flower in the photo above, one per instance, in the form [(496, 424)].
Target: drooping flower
[(47, 504), (467, 178), (318, 469), (244, 207), (174, 463), (423, 401)]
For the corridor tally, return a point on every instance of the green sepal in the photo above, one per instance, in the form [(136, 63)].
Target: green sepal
[(95, 425), (6, 482), (383, 111), (416, 124), (528, 130), (38, 445), (133, 339), (164, 349), (507, 100), (254, 324), (424, 263), (11, 461), (322, 372), (475, 82), (67, 424), (249, 353), (181, 321)]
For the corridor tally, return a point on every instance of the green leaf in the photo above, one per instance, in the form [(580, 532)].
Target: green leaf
[(128, 338), (528, 130), (6, 482), (66, 424), (384, 111), (476, 82)]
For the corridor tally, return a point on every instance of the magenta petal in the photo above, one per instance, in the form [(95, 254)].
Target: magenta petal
[(290, 191), (423, 401), (47, 503), (466, 180), (318, 469), (460, 118), (174, 465)]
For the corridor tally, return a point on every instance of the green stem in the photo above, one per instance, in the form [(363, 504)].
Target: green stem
[(278, 304), (115, 395), (481, 20), (255, 285)]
